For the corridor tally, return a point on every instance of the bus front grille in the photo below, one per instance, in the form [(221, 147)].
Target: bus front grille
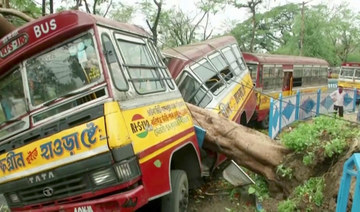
[(54, 190)]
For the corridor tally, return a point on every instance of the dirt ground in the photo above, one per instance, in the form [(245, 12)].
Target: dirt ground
[(217, 195)]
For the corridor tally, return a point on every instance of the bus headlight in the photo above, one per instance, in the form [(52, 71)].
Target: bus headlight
[(3, 203), (103, 177), (127, 170)]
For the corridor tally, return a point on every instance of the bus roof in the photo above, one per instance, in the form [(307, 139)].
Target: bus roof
[(283, 59), (351, 64), (183, 55), (41, 33)]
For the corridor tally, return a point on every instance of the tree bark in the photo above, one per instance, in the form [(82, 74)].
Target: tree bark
[(6, 27), (249, 148), (17, 13)]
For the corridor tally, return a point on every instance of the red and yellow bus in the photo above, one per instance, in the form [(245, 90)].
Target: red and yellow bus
[(349, 76), (274, 74), (212, 74), (90, 119)]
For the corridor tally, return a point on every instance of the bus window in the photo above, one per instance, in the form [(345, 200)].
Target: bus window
[(270, 78), (220, 64), (315, 75), (193, 92), (253, 71), (66, 68), (307, 76), (143, 72), (11, 97), (357, 73), (113, 64), (209, 76), (239, 57), (158, 58), (347, 72), (298, 75), (230, 57)]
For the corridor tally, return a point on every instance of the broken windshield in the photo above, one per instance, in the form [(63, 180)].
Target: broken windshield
[(62, 70), (12, 99)]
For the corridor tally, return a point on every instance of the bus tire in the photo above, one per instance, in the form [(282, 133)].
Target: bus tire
[(178, 199)]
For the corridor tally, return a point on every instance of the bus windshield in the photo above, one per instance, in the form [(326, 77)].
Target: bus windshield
[(66, 68), (11, 97)]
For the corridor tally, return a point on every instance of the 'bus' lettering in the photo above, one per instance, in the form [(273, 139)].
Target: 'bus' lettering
[(83, 209), (45, 28)]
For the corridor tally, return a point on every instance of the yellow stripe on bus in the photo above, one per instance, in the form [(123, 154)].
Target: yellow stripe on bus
[(159, 151)]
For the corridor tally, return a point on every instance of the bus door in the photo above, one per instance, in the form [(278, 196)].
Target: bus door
[(287, 80)]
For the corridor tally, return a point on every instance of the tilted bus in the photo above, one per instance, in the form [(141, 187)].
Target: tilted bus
[(349, 76), (212, 74), (90, 119), (274, 74)]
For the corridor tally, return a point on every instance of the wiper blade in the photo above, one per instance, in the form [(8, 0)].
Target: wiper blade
[(74, 93)]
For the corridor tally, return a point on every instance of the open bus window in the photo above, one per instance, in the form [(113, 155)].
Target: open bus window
[(209, 76), (11, 97), (66, 68), (220, 64), (192, 92), (143, 71)]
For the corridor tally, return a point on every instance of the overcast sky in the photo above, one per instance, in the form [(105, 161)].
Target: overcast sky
[(224, 20)]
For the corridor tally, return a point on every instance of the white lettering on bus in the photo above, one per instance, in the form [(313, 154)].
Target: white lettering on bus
[(83, 209), (45, 28)]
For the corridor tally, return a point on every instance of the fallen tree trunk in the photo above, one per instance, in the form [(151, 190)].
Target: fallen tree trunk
[(6, 27), (249, 148)]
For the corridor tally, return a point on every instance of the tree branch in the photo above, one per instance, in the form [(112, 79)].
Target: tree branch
[(107, 9), (16, 13)]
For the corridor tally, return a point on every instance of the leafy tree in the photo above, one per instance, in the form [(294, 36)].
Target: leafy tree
[(252, 6), (121, 12), (153, 16), (19, 12), (273, 30), (177, 27)]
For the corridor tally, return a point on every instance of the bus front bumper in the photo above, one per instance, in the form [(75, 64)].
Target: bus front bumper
[(124, 202)]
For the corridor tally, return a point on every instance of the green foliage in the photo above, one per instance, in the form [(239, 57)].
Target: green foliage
[(260, 188), (328, 33), (300, 139), (335, 146), (284, 172), (287, 206), (308, 159), (325, 134), (311, 191)]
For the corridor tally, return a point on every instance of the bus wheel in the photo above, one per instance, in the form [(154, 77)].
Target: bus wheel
[(265, 123), (178, 199)]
